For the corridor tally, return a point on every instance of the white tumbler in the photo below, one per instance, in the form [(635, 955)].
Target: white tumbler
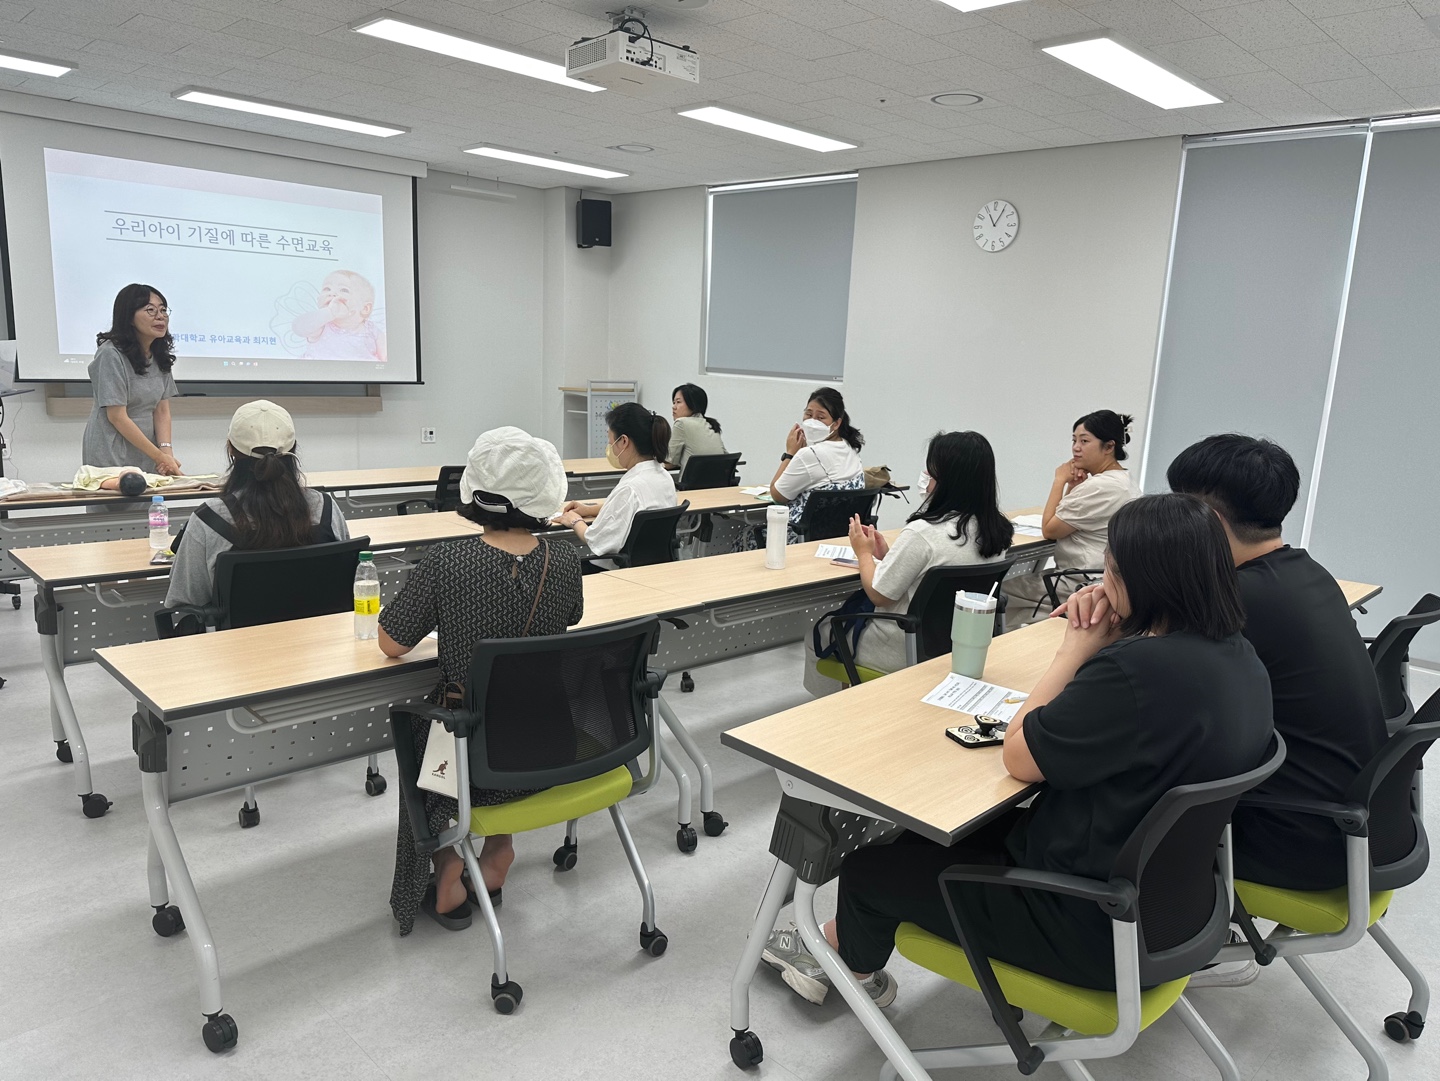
[(777, 523)]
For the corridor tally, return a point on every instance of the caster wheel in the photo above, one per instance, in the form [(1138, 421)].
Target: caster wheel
[(220, 1033), (1404, 1027), (686, 683), (745, 1050), (15, 601), (94, 805), (167, 921), (565, 858), (686, 839), (63, 752), (506, 995), (249, 816), (374, 784), (714, 824), (653, 942)]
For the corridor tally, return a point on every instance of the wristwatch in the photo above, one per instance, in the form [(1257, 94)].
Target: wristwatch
[(786, 457), (164, 446)]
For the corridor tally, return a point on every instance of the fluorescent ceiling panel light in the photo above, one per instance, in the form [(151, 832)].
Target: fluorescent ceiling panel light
[(766, 129), (1108, 60), (286, 112), (975, 5), (34, 65), (434, 39), (544, 163), (788, 182), (1415, 120)]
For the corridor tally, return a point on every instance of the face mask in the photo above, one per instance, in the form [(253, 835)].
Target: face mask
[(816, 431), (611, 457), (923, 484)]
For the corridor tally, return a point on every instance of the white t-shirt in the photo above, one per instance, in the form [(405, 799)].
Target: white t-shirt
[(1087, 508), (921, 547), (830, 464), (645, 486)]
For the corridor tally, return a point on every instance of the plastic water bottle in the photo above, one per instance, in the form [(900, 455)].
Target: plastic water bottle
[(159, 524), (367, 598)]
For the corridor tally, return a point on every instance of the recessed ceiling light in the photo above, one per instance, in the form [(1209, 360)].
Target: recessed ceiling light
[(766, 129), (285, 112), (407, 31), (34, 65), (632, 148), (956, 98), (1106, 59), (975, 5), (543, 162)]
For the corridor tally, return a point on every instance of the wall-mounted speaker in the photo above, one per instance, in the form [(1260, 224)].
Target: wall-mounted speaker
[(592, 223)]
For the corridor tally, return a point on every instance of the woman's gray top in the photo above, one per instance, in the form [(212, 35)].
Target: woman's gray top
[(114, 382)]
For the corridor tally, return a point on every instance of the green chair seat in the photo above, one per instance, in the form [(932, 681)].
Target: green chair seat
[(833, 669), (558, 804), (1312, 912), (1080, 1009)]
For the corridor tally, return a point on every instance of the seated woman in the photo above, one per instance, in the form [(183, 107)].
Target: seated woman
[(263, 504), (637, 438), (1163, 691), (1089, 487), (821, 452), (693, 432), (505, 583)]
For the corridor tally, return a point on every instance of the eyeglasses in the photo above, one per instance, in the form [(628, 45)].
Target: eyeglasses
[(153, 311)]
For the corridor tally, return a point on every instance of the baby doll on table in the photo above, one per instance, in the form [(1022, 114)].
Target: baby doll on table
[(341, 327)]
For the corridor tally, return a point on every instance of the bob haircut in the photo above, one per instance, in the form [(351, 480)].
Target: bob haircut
[(697, 401), (128, 301), (510, 519), (1252, 483), (1172, 555)]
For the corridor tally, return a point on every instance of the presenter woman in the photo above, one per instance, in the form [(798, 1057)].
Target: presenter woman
[(130, 420)]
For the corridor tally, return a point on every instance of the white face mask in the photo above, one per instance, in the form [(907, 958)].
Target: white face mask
[(924, 482), (816, 431)]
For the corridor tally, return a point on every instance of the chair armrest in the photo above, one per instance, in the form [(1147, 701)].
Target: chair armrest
[(170, 622), (1351, 818), (458, 722), (653, 681), (908, 623), (404, 508), (1116, 898)]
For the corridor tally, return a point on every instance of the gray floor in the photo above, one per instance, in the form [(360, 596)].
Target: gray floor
[(322, 987)]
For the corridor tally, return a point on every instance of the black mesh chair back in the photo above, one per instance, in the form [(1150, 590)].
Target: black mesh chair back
[(1390, 651), (652, 537), (447, 492), (934, 601), (828, 512), (1183, 904), (560, 708), (709, 471), (255, 587), (1399, 848)]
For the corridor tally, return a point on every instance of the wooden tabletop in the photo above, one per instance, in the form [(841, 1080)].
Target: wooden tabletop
[(880, 747), (403, 476), (108, 561), (1357, 593)]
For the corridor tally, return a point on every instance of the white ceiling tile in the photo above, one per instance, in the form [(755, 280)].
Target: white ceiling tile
[(1042, 19), (1360, 97), (818, 14), (1038, 100), (1206, 57), (1403, 71), (1423, 97), (892, 41), (791, 37), (1146, 22), (1269, 24), (1319, 9), (1374, 33), (1315, 62), (995, 45)]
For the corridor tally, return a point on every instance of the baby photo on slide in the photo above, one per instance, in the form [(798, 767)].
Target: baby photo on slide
[(338, 321)]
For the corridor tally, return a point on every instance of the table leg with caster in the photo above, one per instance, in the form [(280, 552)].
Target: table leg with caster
[(374, 779), (746, 1050), (685, 837), (714, 823), (93, 803)]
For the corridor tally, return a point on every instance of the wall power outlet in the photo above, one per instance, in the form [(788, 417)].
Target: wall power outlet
[(427, 435)]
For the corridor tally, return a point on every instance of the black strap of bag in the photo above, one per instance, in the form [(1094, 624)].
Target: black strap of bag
[(840, 626)]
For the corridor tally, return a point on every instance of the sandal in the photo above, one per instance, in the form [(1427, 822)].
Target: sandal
[(474, 899), (457, 919)]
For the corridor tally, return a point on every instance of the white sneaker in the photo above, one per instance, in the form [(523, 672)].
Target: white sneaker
[(786, 954), (1226, 974), (881, 987)]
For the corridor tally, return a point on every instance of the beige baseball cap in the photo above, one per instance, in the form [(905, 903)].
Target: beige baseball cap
[(262, 424), (509, 467)]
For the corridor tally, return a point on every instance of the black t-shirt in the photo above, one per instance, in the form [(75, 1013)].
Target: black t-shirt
[(1141, 717), (1327, 706)]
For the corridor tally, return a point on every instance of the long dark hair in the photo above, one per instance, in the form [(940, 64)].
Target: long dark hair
[(963, 467), (122, 330), (266, 497), (1108, 426), (833, 402), (697, 401), (1171, 553), (650, 432)]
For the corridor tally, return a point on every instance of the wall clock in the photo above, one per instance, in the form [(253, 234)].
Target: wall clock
[(996, 225)]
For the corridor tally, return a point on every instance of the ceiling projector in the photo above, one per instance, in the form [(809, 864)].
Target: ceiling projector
[(633, 64)]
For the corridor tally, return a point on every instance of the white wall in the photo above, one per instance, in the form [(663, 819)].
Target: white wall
[(482, 299), (577, 314), (1016, 344)]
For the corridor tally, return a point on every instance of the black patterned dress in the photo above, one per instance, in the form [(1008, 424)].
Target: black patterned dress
[(470, 590)]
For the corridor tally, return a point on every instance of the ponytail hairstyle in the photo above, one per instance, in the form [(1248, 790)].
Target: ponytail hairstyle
[(1108, 427), (833, 402), (122, 330), (697, 401), (963, 467), (650, 432), (265, 496)]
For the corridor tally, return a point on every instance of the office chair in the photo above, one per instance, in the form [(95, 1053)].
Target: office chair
[(1385, 848), (569, 714), (926, 621), (828, 512), (652, 539), (255, 587), (447, 492), (1074, 577), (709, 471), (1169, 905), (1390, 651)]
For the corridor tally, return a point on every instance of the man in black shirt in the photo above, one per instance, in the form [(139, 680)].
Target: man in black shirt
[(1327, 703)]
